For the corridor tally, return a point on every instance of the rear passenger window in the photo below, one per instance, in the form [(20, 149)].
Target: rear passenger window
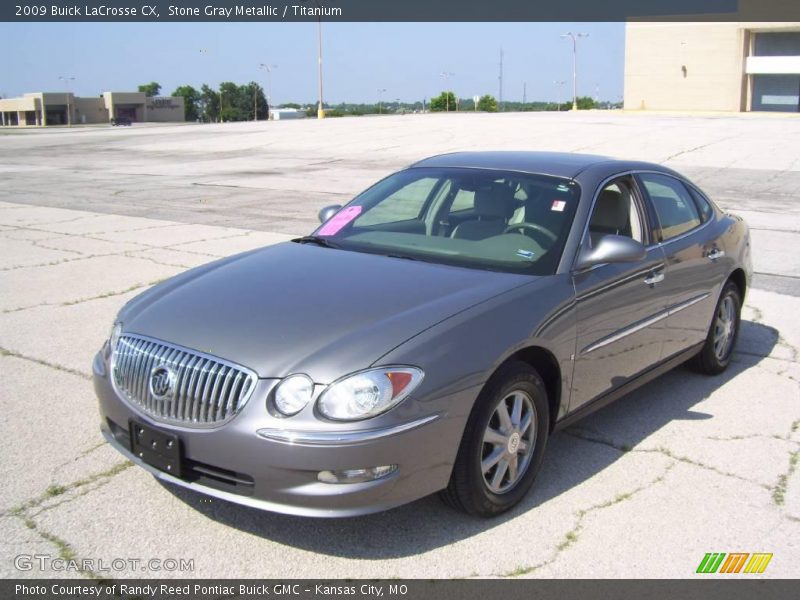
[(464, 200), (677, 212), (706, 211)]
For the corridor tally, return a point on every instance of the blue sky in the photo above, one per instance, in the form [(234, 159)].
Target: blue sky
[(359, 58)]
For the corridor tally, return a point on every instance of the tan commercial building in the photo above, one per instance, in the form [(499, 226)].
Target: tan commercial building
[(712, 66), (61, 108)]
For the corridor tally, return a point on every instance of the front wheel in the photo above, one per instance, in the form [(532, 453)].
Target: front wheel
[(503, 443), (716, 354)]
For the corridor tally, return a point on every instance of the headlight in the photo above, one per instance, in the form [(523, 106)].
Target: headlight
[(113, 338), (292, 394), (364, 395)]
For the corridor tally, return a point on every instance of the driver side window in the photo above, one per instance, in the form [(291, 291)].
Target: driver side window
[(616, 212)]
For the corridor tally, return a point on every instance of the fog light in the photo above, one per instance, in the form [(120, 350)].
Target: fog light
[(356, 475)]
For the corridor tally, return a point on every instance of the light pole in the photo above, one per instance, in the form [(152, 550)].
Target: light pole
[(446, 76), (574, 37), (320, 108), (268, 69), (560, 84), (66, 79), (380, 91)]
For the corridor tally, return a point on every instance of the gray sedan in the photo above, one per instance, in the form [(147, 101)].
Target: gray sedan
[(428, 337)]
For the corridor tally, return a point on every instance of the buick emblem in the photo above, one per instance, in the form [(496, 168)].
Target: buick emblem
[(162, 382)]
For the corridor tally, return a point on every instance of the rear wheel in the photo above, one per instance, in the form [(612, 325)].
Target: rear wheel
[(503, 444), (716, 354)]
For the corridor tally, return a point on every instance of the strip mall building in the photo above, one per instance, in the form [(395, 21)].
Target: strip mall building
[(62, 108)]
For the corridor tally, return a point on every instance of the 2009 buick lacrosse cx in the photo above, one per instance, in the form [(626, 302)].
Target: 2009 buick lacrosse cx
[(428, 337)]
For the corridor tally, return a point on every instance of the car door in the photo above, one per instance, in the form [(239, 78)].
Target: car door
[(619, 307), (692, 251)]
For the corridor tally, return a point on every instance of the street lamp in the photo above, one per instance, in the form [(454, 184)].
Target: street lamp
[(574, 37), (268, 69), (446, 76), (380, 91), (320, 108), (560, 84), (66, 81)]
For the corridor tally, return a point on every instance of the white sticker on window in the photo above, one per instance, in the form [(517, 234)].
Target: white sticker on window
[(526, 254), (558, 205)]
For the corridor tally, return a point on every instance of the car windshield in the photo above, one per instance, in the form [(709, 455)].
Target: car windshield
[(477, 218)]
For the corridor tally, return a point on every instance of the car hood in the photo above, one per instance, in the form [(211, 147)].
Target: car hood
[(294, 308)]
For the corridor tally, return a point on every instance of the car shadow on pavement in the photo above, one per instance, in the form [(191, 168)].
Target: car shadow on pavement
[(570, 460)]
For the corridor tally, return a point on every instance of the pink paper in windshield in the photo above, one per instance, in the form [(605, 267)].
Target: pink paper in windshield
[(339, 220)]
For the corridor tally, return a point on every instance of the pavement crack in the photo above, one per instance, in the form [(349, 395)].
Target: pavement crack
[(779, 491), (753, 436), (22, 510), (82, 300), (572, 536), (577, 433), (65, 550), (39, 361), (67, 499), (82, 454)]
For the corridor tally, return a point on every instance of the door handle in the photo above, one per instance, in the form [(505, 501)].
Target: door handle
[(715, 254), (654, 278)]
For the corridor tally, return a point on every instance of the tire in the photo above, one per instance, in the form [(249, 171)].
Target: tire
[(485, 493), (716, 353)]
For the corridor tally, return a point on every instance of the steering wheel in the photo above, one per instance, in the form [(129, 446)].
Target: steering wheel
[(533, 228)]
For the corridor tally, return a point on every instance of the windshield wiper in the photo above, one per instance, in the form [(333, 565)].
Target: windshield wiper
[(315, 239), (403, 256)]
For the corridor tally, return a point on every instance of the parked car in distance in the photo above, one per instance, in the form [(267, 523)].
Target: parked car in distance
[(121, 121), (430, 336)]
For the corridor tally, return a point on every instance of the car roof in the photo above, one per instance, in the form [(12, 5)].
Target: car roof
[(560, 164)]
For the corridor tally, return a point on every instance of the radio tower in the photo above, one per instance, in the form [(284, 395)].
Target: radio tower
[(500, 100)]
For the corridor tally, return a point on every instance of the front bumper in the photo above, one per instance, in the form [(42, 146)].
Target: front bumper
[(256, 460)]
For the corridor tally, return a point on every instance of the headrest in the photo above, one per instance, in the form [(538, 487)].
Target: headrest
[(496, 200), (611, 211)]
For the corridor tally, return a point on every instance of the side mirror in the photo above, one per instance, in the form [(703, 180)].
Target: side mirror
[(327, 212), (610, 249)]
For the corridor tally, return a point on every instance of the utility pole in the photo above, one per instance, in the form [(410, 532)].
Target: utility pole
[(446, 76), (500, 99), (380, 93), (524, 92)]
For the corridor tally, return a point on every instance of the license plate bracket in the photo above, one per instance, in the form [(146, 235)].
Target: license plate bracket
[(156, 448)]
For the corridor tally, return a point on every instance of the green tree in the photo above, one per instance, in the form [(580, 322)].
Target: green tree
[(258, 101), (209, 100), (191, 101), (585, 102), (445, 101), (231, 102), (150, 89), (487, 103)]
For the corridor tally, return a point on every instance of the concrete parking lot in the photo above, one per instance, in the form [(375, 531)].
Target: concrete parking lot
[(89, 217)]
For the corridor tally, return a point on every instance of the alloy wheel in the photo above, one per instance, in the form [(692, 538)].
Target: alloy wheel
[(724, 328), (508, 442)]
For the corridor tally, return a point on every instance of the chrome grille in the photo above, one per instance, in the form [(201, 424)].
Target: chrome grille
[(203, 390)]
